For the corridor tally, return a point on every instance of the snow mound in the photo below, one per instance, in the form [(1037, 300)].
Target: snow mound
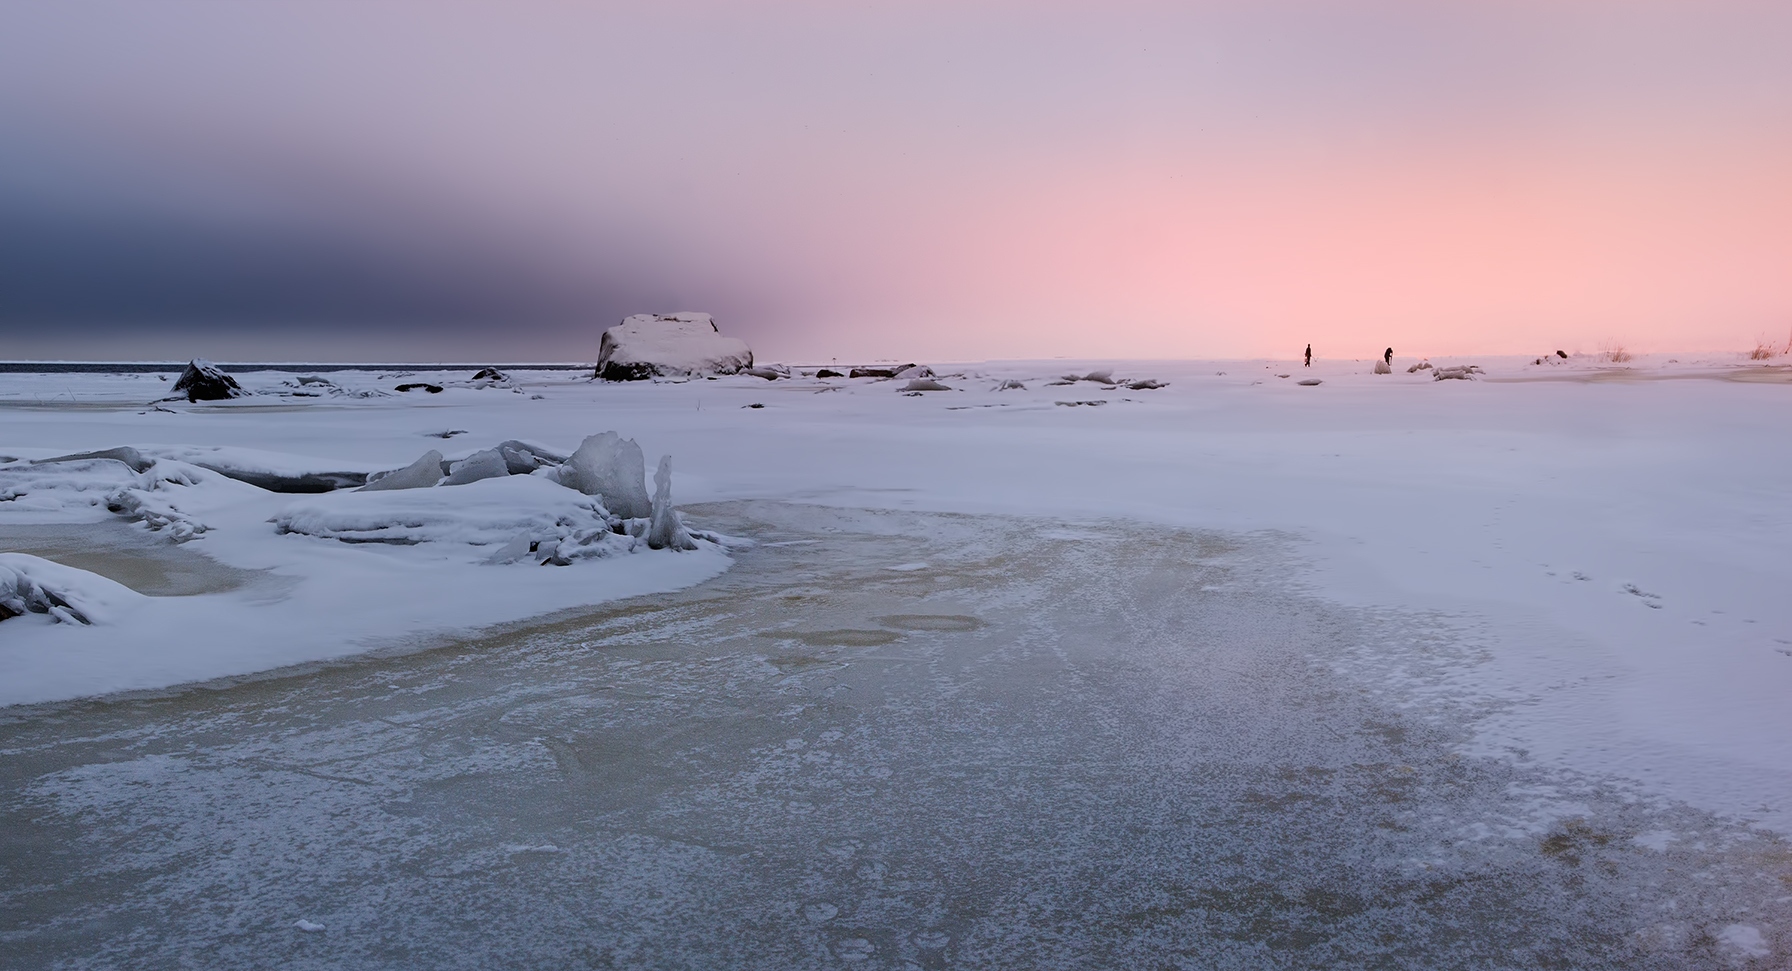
[(487, 512), (925, 384), (33, 585), (75, 488), (669, 345), (612, 467)]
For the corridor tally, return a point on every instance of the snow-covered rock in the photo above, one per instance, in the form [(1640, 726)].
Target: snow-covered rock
[(203, 381), (650, 345), (1382, 367), (613, 468), (421, 474)]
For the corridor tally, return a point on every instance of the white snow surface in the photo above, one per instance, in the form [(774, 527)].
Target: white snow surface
[(1609, 540)]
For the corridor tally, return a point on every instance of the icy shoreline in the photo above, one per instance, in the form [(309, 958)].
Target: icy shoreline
[(898, 737)]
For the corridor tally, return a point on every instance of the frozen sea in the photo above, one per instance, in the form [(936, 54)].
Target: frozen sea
[(1232, 673)]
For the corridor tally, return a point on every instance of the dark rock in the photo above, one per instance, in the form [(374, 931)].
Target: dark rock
[(1147, 384), (202, 381), (420, 386), (877, 372), (1562, 354), (829, 373), (490, 374), (753, 405), (615, 371)]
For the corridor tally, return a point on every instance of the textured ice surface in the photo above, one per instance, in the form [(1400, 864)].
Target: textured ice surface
[(421, 474), (612, 467), (667, 530), (1036, 747), (484, 464)]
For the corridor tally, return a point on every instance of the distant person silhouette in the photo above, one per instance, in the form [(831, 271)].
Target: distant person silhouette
[(1309, 355), (1388, 356)]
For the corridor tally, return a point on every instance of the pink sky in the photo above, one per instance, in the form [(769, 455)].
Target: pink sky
[(1013, 180)]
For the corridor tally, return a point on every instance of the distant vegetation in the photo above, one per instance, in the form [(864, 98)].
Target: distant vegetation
[(1766, 350)]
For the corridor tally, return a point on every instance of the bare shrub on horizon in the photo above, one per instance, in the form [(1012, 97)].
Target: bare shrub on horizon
[(1765, 351), (1616, 354)]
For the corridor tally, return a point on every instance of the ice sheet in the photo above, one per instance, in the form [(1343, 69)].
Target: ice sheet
[(1614, 536)]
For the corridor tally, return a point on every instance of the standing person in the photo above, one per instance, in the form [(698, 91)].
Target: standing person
[(1309, 355), (1388, 356)]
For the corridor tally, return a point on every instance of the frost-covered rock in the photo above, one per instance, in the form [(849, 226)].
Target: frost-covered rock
[(667, 530), (203, 381), (485, 464), (925, 384), (650, 345), (612, 467), (421, 474), (33, 585)]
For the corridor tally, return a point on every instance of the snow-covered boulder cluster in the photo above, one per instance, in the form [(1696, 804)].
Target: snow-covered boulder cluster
[(524, 500), (669, 345)]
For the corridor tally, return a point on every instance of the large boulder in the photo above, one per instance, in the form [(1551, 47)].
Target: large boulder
[(203, 381), (669, 345)]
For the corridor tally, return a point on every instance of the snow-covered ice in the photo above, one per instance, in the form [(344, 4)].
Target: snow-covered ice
[(1563, 579)]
